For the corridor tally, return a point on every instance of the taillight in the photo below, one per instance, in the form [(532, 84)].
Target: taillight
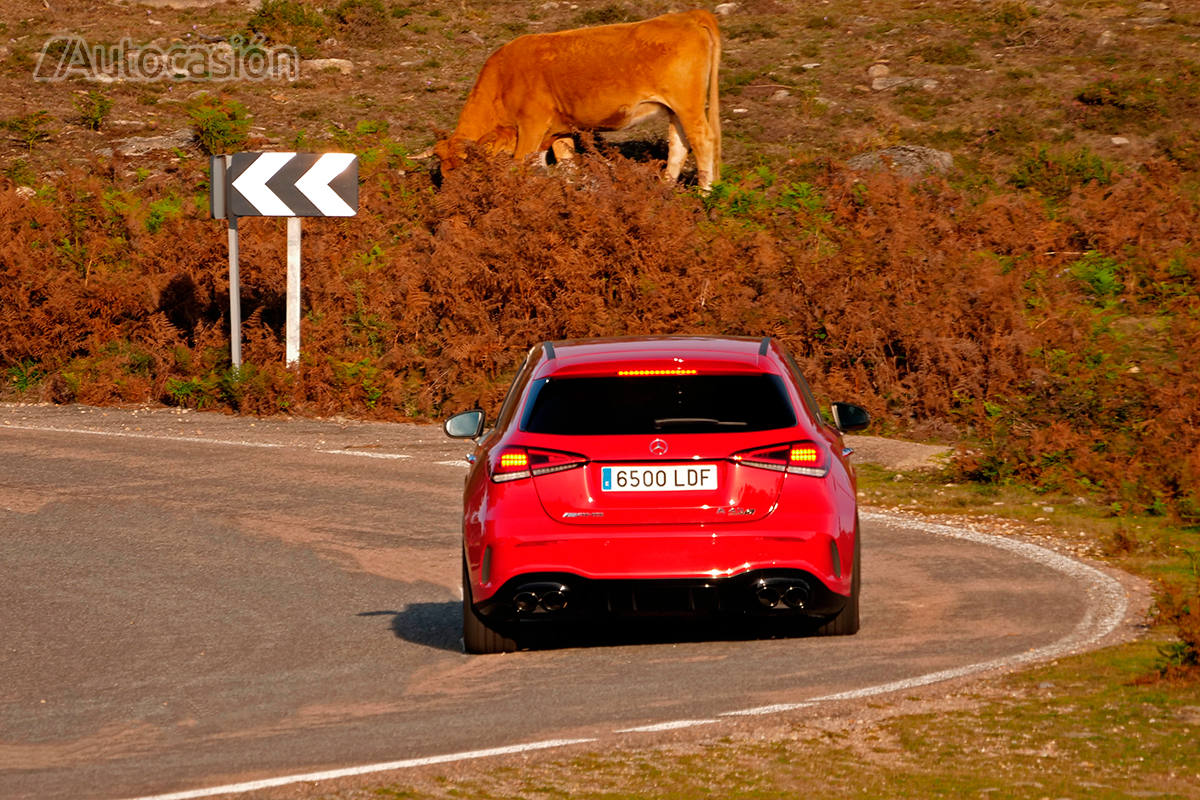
[(543, 462), (798, 458), (514, 463), (510, 464)]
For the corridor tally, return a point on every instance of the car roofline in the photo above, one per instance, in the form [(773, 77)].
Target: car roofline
[(731, 353)]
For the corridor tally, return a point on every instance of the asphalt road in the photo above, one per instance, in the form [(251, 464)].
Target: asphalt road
[(194, 600)]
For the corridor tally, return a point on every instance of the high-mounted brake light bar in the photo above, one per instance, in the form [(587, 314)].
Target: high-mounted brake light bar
[(644, 373)]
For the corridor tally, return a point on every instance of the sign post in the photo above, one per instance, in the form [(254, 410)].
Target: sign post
[(218, 194), (235, 297), (291, 185), (292, 327)]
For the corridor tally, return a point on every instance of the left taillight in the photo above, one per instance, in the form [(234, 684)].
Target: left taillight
[(796, 458), (515, 463)]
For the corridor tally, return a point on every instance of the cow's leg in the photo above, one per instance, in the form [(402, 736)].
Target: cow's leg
[(677, 147), (530, 138), (564, 150), (697, 133)]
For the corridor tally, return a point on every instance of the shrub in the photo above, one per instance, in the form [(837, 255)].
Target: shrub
[(1011, 13), (25, 375), (1118, 102), (29, 129), (1139, 102), (289, 22), (368, 20), (1178, 605), (159, 211), (945, 53), (751, 31), (1061, 365), (19, 172), (820, 23), (1056, 175), (221, 124), (1099, 275), (604, 15), (93, 107)]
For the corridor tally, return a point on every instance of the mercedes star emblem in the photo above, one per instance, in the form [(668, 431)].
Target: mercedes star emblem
[(658, 447)]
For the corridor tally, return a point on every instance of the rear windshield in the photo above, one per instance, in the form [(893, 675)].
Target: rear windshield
[(675, 404)]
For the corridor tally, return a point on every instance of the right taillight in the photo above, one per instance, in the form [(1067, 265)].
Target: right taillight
[(515, 463), (797, 458)]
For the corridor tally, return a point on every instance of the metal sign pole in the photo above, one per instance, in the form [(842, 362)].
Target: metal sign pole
[(235, 297), (218, 167), (292, 328)]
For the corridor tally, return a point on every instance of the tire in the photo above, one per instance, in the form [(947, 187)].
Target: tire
[(846, 622), (477, 636)]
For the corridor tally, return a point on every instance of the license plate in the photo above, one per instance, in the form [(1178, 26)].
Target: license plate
[(665, 478)]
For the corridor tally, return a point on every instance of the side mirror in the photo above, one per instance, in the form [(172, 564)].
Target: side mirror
[(467, 425), (849, 417)]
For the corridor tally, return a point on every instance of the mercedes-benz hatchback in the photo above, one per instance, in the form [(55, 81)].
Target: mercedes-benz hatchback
[(657, 476)]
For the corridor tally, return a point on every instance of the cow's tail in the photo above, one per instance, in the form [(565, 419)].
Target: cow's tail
[(714, 80)]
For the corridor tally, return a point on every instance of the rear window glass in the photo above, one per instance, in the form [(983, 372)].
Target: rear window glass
[(674, 404)]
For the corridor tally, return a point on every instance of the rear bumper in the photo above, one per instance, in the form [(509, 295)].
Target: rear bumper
[(662, 555), (508, 536), (536, 598)]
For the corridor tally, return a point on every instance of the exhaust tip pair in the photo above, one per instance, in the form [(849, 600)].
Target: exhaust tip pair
[(540, 597), (782, 593)]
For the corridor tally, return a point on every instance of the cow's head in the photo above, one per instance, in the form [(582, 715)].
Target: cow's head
[(452, 152), (456, 150)]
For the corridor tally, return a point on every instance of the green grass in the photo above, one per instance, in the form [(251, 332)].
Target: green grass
[(1078, 724)]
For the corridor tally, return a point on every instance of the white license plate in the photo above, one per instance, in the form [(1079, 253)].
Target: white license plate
[(665, 478)]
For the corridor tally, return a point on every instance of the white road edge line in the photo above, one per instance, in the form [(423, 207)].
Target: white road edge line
[(678, 724), (363, 454), (1104, 613), (131, 435), (778, 708), (350, 772), (202, 440)]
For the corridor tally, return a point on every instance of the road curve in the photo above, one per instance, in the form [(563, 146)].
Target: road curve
[(196, 604)]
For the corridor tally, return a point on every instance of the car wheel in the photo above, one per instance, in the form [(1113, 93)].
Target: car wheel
[(477, 636), (846, 622)]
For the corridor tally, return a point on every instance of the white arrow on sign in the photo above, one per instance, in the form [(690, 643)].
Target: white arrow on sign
[(314, 184), (253, 184)]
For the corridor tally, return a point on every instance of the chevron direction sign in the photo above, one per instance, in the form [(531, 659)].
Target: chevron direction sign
[(292, 185)]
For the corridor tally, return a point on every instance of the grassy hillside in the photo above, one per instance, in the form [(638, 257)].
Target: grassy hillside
[(1037, 302)]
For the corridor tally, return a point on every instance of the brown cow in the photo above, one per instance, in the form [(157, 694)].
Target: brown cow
[(540, 87)]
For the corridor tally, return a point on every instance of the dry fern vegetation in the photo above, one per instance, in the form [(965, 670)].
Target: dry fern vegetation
[(1037, 304)]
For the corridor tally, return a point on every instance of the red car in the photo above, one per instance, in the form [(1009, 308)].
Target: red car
[(650, 476)]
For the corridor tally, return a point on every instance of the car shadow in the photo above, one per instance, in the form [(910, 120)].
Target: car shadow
[(660, 631), (436, 625), (439, 626)]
